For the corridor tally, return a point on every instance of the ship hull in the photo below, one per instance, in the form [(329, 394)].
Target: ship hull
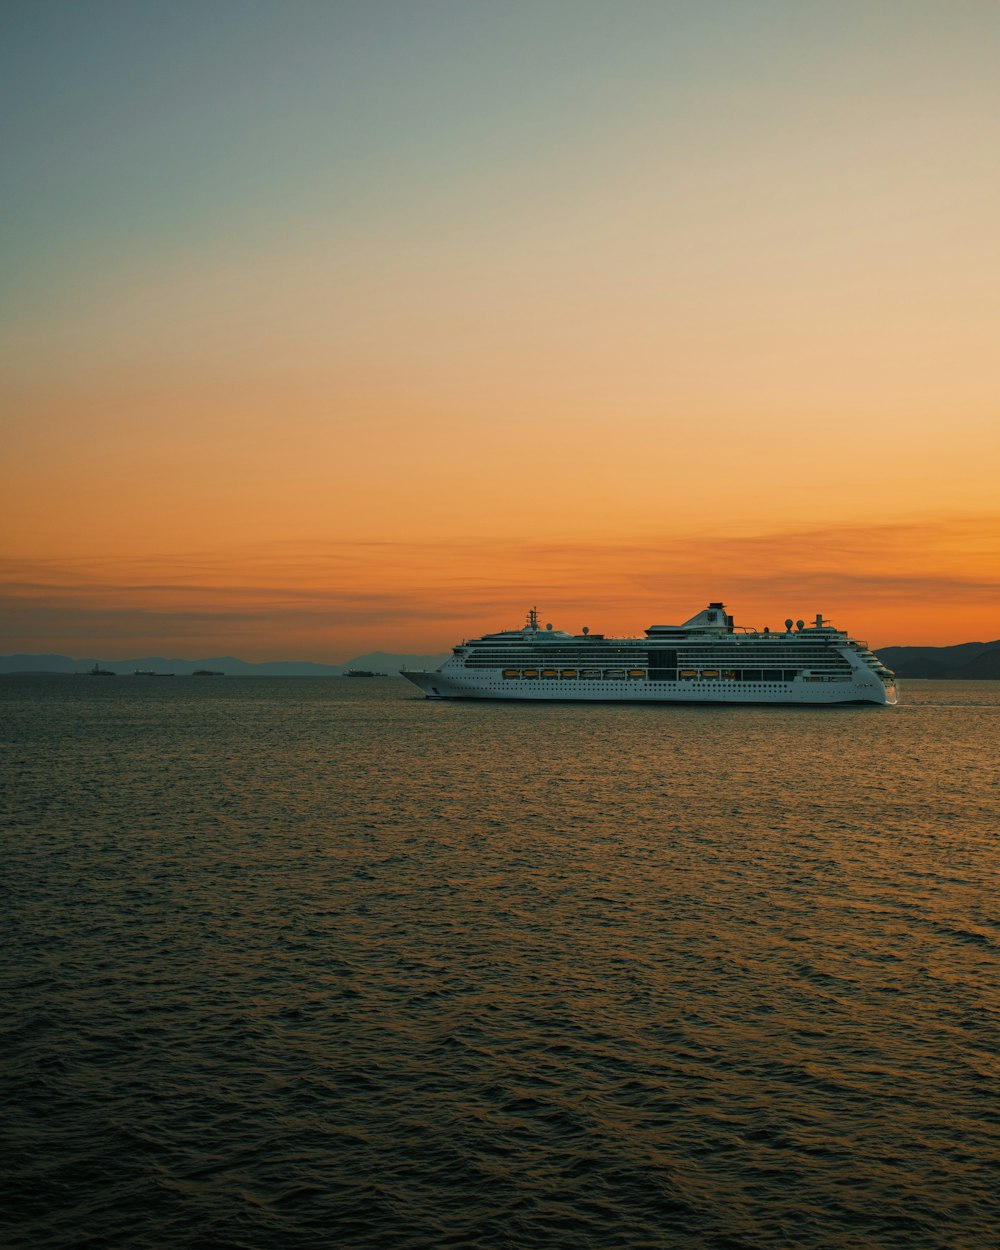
[(861, 688)]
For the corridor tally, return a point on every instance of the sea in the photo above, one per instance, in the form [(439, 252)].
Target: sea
[(307, 963)]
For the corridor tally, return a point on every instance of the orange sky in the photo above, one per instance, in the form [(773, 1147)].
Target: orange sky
[(379, 355)]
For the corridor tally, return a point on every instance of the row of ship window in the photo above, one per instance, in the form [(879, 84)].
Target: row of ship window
[(682, 674), (705, 665), (640, 653), (696, 663)]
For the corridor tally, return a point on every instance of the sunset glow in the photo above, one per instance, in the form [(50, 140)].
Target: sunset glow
[(343, 327)]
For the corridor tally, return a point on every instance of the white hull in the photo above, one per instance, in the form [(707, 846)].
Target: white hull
[(492, 685)]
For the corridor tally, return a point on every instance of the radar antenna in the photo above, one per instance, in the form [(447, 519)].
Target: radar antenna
[(532, 618)]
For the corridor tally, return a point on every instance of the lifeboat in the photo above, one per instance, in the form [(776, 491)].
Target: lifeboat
[(530, 672), (710, 673), (590, 672), (614, 673), (549, 672), (512, 672), (637, 672), (568, 672), (730, 674), (687, 673)]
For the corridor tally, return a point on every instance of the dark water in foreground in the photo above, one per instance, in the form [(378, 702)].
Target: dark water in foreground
[(318, 963)]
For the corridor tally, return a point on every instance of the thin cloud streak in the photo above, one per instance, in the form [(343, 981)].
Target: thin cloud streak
[(334, 600)]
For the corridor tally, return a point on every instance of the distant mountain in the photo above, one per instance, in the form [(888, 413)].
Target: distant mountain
[(972, 661), (374, 661)]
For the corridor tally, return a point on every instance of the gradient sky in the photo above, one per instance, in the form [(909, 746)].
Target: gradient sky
[(337, 326)]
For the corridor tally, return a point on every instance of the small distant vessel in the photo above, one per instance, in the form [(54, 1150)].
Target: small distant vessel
[(208, 672), (97, 671), (149, 672), (363, 672), (707, 659)]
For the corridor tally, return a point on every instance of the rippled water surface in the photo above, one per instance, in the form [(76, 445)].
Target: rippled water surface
[(319, 963)]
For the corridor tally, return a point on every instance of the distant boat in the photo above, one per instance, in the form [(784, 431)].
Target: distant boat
[(148, 672), (208, 672), (363, 672), (97, 671)]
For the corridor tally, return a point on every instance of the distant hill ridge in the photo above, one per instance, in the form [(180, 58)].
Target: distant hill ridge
[(374, 661), (973, 661)]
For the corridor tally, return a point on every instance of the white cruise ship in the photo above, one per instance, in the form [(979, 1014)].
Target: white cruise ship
[(706, 660)]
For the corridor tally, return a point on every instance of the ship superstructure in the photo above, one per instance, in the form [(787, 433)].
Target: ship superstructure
[(706, 660)]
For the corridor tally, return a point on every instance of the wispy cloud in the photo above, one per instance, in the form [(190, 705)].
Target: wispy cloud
[(338, 598)]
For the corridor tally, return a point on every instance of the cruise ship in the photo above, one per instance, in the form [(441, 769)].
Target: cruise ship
[(708, 659)]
